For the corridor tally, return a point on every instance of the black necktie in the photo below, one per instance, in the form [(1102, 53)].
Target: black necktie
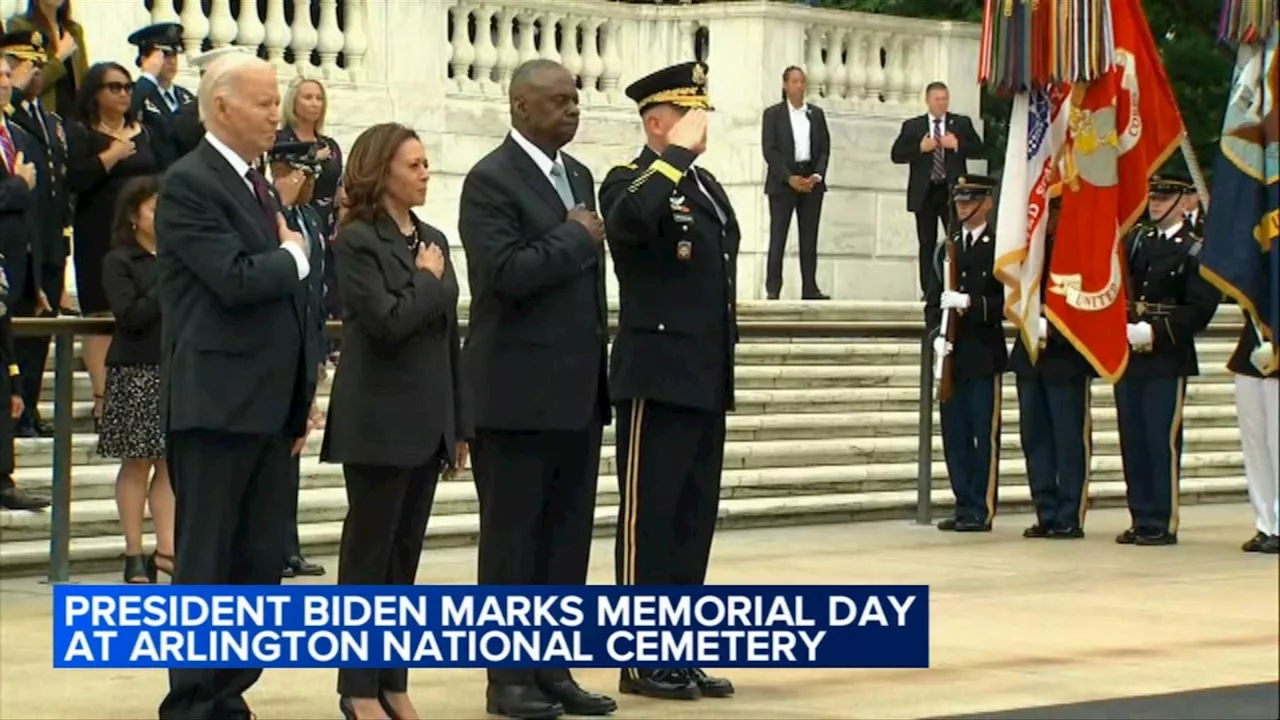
[(263, 194)]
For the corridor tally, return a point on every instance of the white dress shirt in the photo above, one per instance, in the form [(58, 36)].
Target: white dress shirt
[(544, 163), (971, 236), (1173, 230), (801, 131), (241, 168)]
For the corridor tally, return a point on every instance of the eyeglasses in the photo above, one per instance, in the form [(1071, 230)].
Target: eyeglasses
[(118, 87)]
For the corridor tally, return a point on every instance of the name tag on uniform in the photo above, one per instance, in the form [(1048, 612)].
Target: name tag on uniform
[(684, 250)]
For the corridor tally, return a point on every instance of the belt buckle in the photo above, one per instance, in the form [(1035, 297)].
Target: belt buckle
[(1140, 308)]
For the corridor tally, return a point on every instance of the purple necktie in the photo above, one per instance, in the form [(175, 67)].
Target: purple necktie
[(263, 193)]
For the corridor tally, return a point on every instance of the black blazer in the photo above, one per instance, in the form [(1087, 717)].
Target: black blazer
[(188, 131), (148, 104), (398, 392), (129, 279), (1058, 360), (779, 146), (48, 151), (537, 337), (906, 151), (980, 349), (1166, 272), (236, 360), (676, 263), (19, 206)]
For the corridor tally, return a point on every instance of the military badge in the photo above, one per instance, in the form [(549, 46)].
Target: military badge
[(150, 106), (684, 250), (699, 74)]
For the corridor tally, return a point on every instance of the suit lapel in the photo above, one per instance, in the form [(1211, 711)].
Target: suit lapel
[(390, 234), (582, 190), (238, 187), (533, 175), (788, 138)]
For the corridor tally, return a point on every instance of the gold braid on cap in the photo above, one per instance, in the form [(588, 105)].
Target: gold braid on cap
[(690, 97)]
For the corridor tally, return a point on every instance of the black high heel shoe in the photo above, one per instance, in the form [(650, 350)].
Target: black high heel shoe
[(137, 570), (349, 710), (154, 568)]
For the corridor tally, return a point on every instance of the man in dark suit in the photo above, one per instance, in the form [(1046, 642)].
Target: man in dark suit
[(294, 168), (674, 240), (51, 244), (534, 361), (236, 378), (936, 146), (797, 146), (1170, 302), (155, 98), (971, 417), (20, 53), (1054, 419)]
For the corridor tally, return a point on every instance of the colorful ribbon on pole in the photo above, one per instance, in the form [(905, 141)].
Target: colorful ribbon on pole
[(1034, 44), (1246, 22)]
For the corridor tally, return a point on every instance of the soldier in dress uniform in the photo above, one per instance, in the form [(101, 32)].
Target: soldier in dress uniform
[(155, 98), (187, 128), (674, 241), (971, 417), (1054, 417), (1169, 303), (294, 167), (1257, 370)]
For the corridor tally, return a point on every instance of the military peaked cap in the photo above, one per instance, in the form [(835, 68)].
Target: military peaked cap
[(25, 45), (973, 187), (683, 85)]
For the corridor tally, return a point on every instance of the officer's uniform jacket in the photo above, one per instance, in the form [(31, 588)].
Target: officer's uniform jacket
[(149, 105), (1058, 360), (1166, 290), (675, 252), (47, 151), (1239, 362), (979, 349)]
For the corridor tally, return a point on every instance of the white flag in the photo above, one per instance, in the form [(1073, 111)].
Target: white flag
[(1037, 129)]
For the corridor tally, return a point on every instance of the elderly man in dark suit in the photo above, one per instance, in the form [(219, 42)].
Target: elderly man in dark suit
[(236, 378), (936, 146), (535, 363)]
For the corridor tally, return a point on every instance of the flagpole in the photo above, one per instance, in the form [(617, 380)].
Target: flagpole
[(1197, 175)]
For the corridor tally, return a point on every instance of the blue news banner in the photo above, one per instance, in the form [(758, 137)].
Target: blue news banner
[(441, 626)]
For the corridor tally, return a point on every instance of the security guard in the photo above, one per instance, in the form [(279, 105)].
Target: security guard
[(1054, 417), (294, 167), (674, 241), (971, 417), (1169, 303), (156, 100)]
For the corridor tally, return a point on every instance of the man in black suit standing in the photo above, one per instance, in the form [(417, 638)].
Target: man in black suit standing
[(155, 98), (535, 363), (797, 146), (236, 377), (936, 145), (50, 245)]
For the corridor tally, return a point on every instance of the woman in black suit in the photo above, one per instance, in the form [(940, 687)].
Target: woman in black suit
[(396, 416)]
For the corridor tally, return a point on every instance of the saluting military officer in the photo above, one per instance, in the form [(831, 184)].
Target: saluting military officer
[(1054, 417), (674, 241), (156, 100), (971, 417), (1169, 303)]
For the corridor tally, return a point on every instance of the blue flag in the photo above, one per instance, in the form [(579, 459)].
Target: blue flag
[(1239, 254)]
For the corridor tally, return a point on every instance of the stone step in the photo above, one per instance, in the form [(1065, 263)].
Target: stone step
[(38, 452), (102, 551)]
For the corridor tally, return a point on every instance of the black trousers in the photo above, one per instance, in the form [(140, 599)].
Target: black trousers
[(670, 460), (387, 513), (971, 445), (1055, 423), (807, 207), (1149, 414), (231, 492), (293, 546), (33, 352), (537, 493), (935, 211), (6, 433)]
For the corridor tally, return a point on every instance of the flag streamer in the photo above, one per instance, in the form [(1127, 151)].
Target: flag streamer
[(1246, 22), (1035, 44)]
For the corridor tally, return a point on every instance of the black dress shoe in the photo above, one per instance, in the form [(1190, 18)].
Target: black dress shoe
[(947, 524), (967, 525), (26, 430), (1272, 545), (712, 687), (1255, 543), (1127, 537), (1155, 539), (14, 499), (1074, 532), (521, 701), (302, 567), (1036, 531), (662, 684), (575, 700)]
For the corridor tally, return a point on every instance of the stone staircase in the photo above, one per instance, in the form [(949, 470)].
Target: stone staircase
[(825, 431)]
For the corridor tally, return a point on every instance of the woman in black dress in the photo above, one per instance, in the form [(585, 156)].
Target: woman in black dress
[(131, 429), (106, 146)]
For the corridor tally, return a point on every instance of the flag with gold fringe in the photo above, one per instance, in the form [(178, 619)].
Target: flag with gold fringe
[(1123, 123), (1239, 256)]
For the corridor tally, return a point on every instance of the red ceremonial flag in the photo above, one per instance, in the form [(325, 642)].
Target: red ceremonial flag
[(1123, 126)]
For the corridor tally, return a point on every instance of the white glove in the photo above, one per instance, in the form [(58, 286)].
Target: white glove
[(941, 348), (1044, 329), (952, 300), (1263, 358), (1139, 334)]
